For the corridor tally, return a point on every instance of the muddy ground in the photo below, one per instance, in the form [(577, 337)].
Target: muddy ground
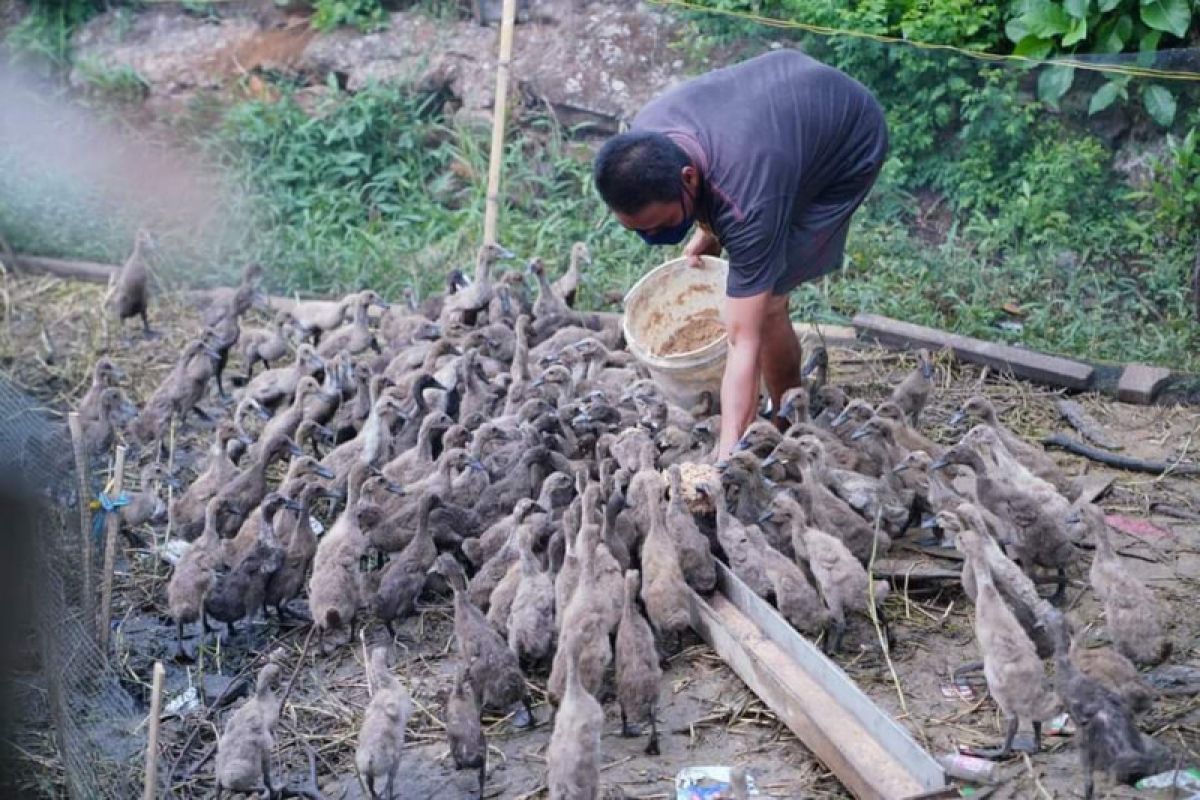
[(52, 332)]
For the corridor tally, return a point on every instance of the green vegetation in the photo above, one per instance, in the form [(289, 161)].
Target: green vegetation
[(366, 15)]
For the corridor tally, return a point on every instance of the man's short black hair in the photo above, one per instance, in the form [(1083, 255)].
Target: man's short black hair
[(633, 170)]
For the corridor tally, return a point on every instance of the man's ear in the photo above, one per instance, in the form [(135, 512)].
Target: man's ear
[(691, 177)]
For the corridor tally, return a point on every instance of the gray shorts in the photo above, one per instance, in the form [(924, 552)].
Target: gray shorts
[(817, 239)]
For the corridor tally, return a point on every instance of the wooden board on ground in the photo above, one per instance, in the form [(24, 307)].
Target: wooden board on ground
[(1028, 364), (869, 752)]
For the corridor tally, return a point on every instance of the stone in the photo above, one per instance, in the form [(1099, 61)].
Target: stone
[(1140, 382)]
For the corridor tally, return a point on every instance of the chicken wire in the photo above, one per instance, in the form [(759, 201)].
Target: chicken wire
[(71, 693)]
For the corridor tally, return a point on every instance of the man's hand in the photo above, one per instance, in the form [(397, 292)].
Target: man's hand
[(702, 243), (739, 386)]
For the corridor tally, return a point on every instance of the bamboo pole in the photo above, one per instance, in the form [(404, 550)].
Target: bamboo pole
[(491, 214), (112, 526), (88, 600), (150, 781)]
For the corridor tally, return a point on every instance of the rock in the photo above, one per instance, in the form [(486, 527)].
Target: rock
[(1140, 382)]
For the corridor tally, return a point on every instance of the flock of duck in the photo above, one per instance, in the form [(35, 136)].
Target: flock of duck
[(501, 446)]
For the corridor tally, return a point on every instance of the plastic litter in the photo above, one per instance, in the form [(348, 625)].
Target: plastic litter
[(714, 783), (172, 550), (1174, 779), (182, 703), (977, 770)]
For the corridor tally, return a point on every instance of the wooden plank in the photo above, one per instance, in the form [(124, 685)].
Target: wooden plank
[(1028, 364), (869, 752), (64, 268)]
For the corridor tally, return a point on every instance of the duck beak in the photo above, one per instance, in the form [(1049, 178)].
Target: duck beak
[(262, 412), (295, 449), (861, 433), (814, 361), (504, 252), (769, 461), (394, 488), (323, 471), (840, 419), (901, 467), (941, 463), (292, 505), (788, 409), (929, 523), (958, 418), (766, 516), (476, 465), (246, 440), (741, 446)]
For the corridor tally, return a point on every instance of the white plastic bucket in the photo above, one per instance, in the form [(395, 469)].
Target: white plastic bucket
[(666, 299)]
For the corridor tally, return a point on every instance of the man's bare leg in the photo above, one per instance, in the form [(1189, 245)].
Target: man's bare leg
[(779, 351)]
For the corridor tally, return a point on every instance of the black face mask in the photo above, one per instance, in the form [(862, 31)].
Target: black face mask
[(675, 233)]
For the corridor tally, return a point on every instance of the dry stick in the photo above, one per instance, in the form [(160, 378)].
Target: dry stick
[(491, 212), (85, 523), (112, 526), (1119, 461), (151, 780)]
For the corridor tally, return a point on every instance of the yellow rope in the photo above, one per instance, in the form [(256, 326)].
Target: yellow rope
[(824, 30)]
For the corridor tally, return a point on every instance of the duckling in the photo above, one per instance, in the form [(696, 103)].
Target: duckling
[(760, 439), (225, 327), (129, 291), (841, 579), (777, 522), (1132, 613), (413, 464), (573, 757), (904, 435), (548, 302), (300, 542), (105, 374), (313, 318), (242, 591), (145, 505), (585, 622), (100, 432), (381, 737), (884, 497), (243, 493), (1113, 671), (333, 588), (1040, 538), (186, 510), (273, 386), (404, 576), (830, 513), (793, 593), (357, 336), (193, 578), (852, 417), (1109, 738), (321, 406), (1034, 458), (465, 304), (745, 559), (468, 747), (287, 420), (244, 748), (265, 344), (638, 670), (664, 591), (695, 552), (531, 628), (837, 454), (743, 472), (216, 301), (828, 402), (913, 392), (568, 283), (1015, 677), (492, 668)]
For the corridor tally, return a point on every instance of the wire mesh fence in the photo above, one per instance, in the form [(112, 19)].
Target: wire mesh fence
[(65, 689)]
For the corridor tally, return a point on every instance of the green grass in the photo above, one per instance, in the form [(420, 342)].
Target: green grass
[(376, 189)]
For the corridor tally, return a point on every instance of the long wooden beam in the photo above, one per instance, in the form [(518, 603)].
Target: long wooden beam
[(868, 751)]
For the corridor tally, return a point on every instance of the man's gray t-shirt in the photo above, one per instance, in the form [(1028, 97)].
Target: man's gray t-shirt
[(788, 148)]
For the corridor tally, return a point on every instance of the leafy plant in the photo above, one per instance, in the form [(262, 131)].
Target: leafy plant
[(1042, 28), (366, 15), (120, 83), (44, 34)]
